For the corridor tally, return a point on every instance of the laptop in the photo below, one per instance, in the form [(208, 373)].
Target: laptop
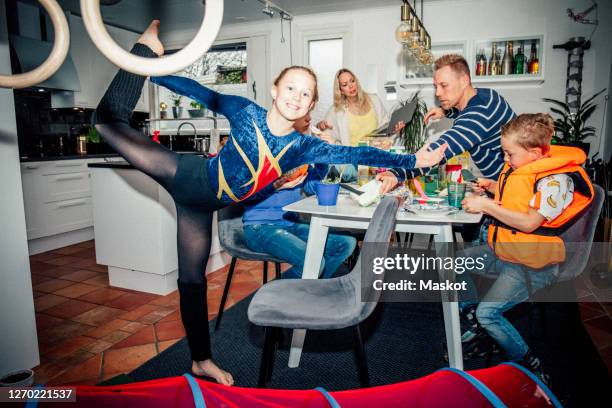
[(403, 113)]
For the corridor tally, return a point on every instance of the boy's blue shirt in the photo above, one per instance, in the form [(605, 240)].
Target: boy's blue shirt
[(270, 210)]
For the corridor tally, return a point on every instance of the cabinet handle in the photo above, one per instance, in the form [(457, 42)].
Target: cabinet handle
[(68, 164), (32, 166), (69, 177), (72, 203)]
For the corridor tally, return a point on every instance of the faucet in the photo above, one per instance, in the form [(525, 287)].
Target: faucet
[(178, 132)]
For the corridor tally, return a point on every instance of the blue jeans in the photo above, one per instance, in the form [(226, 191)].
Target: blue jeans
[(289, 244), (509, 289)]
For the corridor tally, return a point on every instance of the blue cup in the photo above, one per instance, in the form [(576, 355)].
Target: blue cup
[(327, 193)]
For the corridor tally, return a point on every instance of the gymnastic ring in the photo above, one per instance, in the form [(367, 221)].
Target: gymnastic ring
[(56, 57), (213, 16)]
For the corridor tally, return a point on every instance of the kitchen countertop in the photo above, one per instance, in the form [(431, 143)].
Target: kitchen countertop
[(122, 164), (67, 157)]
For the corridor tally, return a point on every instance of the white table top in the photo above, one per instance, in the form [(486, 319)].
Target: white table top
[(350, 209)]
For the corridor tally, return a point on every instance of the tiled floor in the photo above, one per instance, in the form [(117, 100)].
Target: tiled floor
[(89, 331)]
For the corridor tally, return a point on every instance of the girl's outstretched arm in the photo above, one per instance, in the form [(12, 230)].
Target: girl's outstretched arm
[(317, 151), (226, 105)]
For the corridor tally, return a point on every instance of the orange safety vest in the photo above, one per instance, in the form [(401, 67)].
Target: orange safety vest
[(515, 187)]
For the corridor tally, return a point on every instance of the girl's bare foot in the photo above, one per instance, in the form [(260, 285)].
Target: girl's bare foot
[(209, 369), (150, 38)]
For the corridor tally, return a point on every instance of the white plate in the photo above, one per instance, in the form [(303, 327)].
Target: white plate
[(430, 210)]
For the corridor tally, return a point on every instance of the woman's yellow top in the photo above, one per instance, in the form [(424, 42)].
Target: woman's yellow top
[(361, 125)]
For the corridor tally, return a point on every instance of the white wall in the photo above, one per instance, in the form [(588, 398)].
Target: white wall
[(18, 341), (374, 48)]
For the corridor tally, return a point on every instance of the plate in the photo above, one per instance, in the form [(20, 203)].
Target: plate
[(430, 209)]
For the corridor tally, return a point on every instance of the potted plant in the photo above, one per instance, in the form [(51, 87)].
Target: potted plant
[(412, 136), (177, 110), (197, 110), (93, 141), (571, 128)]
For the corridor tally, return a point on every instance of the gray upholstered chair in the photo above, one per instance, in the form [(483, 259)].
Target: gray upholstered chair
[(231, 238), (325, 304)]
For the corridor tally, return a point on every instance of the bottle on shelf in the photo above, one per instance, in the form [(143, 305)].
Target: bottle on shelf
[(481, 63), (534, 63), (519, 60), (494, 66), (508, 60)]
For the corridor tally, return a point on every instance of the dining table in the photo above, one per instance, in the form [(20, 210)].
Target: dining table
[(348, 214)]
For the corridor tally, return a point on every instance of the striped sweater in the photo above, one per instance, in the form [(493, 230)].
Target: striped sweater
[(477, 129)]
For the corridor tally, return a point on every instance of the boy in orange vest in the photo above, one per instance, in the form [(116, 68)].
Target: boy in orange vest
[(540, 191)]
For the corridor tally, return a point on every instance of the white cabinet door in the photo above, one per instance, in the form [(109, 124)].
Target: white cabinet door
[(34, 214), (68, 215)]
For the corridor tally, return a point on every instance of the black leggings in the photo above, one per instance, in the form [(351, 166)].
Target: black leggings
[(185, 178)]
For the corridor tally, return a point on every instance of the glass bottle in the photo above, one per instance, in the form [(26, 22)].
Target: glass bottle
[(519, 60), (534, 62), (508, 60), (494, 61), (481, 63)]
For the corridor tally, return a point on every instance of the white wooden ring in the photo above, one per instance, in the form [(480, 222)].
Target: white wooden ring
[(164, 65), (55, 59)]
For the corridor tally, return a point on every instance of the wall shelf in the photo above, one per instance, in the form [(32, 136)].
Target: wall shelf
[(469, 49)]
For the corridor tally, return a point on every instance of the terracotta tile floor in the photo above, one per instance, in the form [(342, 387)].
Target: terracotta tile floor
[(89, 331)]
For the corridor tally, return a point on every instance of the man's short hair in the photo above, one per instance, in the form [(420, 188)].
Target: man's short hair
[(456, 62)]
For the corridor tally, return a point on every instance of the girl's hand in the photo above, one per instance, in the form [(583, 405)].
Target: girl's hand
[(150, 38), (477, 204), (324, 125), (427, 158), (282, 183), (434, 113), (389, 181)]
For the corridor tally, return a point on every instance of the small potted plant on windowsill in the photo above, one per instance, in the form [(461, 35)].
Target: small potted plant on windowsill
[(197, 111), (177, 109), (571, 128)]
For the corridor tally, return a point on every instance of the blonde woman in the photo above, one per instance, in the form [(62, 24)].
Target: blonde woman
[(354, 115)]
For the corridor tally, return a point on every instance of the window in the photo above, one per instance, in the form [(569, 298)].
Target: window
[(223, 68)]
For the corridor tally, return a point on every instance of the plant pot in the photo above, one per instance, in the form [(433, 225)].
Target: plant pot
[(196, 113), (177, 112), (21, 378), (585, 147)]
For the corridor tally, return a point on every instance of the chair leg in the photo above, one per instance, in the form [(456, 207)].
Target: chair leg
[(267, 356), (277, 270), (277, 334), (362, 364), (265, 272), (228, 283)]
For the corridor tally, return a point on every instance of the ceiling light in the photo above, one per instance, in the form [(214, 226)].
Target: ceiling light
[(267, 10)]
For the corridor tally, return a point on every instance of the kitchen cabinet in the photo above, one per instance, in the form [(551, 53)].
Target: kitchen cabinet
[(94, 70), (57, 198)]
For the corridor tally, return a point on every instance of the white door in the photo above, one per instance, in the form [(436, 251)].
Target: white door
[(258, 86)]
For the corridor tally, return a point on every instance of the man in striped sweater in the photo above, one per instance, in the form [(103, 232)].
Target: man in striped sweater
[(478, 116)]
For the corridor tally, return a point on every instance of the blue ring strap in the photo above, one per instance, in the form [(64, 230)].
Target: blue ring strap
[(535, 378), (332, 402), (33, 403), (479, 385), (198, 398)]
